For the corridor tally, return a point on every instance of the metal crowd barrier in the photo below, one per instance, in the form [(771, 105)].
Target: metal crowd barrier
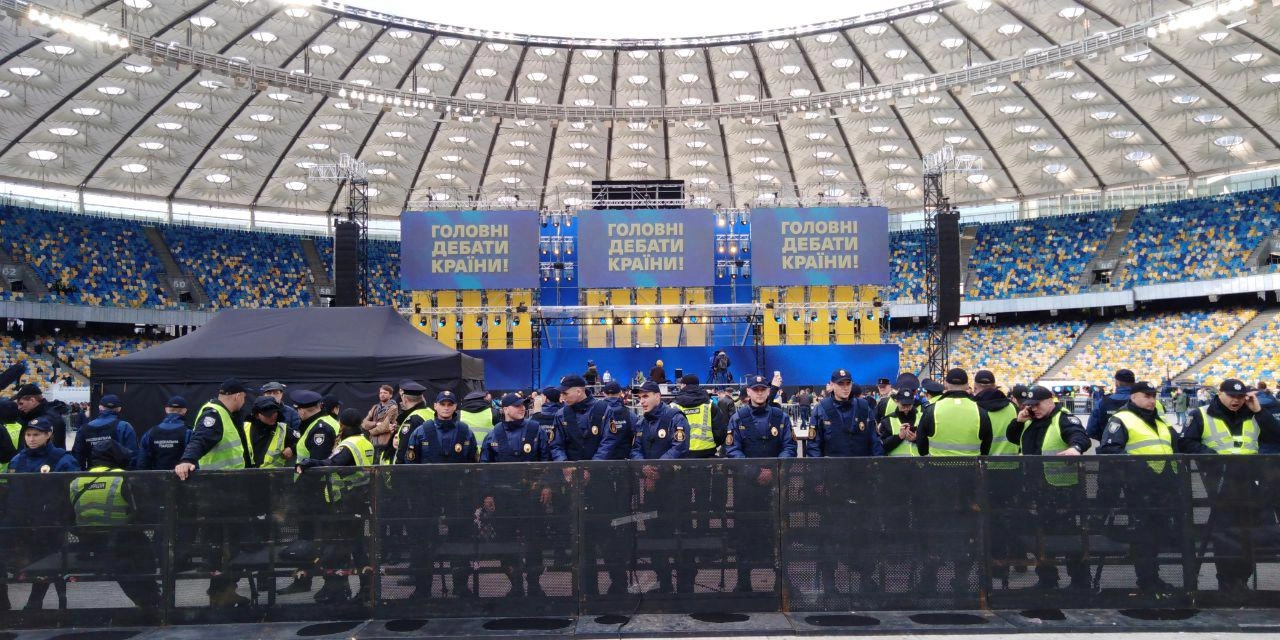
[(663, 536)]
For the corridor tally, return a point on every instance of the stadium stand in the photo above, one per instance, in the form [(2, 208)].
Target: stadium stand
[(1008, 257), (1252, 358), (1199, 239), (1156, 346), (1015, 353), (906, 257), (243, 268), (39, 370), (384, 272), (80, 350), (84, 259)]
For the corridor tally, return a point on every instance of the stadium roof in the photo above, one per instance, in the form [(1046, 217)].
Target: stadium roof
[(234, 102)]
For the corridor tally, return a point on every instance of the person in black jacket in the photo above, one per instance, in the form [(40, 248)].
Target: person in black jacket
[(32, 404), (1044, 428)]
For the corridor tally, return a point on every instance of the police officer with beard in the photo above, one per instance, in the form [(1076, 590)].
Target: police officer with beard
[(1045, 428)]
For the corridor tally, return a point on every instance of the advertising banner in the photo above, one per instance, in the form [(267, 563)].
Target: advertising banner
[(469, 250), (820, 246), (646, 248)]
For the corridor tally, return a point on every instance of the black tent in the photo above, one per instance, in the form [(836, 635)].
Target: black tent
[(346, 351)]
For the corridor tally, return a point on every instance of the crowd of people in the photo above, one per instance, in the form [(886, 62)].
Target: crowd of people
[(275, 427)]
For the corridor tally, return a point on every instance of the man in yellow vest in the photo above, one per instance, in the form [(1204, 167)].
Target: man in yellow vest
[(706, 428), (218, 444), (10, 432), (1231, 424), (953, 424), (895, 428), (1139, 429), (267, 433), (315, 438), (347, 496), (1045, 428)]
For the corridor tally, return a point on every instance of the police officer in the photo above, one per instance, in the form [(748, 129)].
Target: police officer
[(1045, 428), (844, 425), (618, 437), (664, 434), (1004, 489), (885, 406), (413, 412), (287, 413), (346, 493), (29, 508), (477, 411), (757, 430), (1232, 423), (218, 443), (546, 416), (10, 433), (32, 404), (267, 434), (107, 426), (932, 390), (903, 419), (1138, 429), (706, 427), (1110, 404), (162, 446), (104, 504), (442, 439), (516, 439), (576, 435), (953, 424), (316, 438)]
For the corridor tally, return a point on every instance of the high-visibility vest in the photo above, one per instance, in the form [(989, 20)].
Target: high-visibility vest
[(1058, 474), (426, 413), (304, 443), (1144, 440), (99, 500), (1000, 445), (274, 456), (15, 436), (229, 452), (957, 428), (700, 435), (1218, 437), (481, 422), (904, 448), (344, 479)]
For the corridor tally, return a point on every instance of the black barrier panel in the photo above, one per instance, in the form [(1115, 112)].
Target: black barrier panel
[(708, 537)]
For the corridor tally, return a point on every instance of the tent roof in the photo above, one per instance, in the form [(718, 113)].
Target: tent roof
[(316, 344)]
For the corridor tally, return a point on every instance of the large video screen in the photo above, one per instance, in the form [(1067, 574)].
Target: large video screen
[(820, 246), (469, 250)]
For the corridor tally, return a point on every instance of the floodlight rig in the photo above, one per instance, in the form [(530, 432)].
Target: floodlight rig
[(356, 175)]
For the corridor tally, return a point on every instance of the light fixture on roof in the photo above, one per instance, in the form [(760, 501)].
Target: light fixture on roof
[(78, 28)]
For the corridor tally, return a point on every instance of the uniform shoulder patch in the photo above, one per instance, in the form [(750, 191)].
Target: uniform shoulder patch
[(1073, 420), (209, 421), (318, 438), (1114, 427)]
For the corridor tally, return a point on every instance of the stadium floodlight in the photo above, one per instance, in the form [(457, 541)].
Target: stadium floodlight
[(78, 28)]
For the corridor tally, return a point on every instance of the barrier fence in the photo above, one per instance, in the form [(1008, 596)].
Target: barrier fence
[(662, 536)]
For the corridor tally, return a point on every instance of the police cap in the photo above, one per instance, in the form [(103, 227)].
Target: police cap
[(1018, 393), (1144, 387), (882, 381), (303, 398), (757, 382), (572, 380), (411, 388), (1038, 393), (27, 390), (231, 386), (39, 424), (552, 394), (932, 386), (611, 388), (650, 387), (512, 400), (110, 401), (984, 377), (957, 376), (272, 386), (841, 375), (176, 402), (265, 404), (446, 396), (1234, 387), (904, 396)]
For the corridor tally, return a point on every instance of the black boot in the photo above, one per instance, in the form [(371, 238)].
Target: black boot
[(335, 589), (301, 584), (365, 594), (35, 601)]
